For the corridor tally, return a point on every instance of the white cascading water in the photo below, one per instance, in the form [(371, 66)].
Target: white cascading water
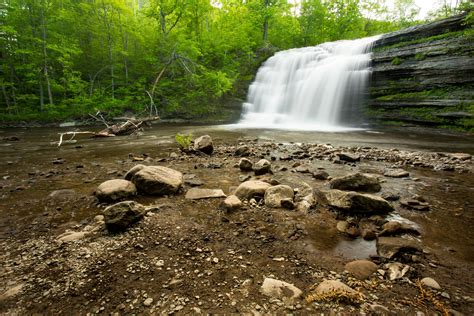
[(310, 88)]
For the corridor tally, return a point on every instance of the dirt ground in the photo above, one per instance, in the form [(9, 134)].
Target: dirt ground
[(191, 256)]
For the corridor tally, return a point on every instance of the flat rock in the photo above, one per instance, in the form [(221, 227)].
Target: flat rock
[(397, 228), (252, 188), (460, 156), (64, 194), (415, 205), (15, 290), (262, 166), (349, 157), (232, 203), (357, 202), (390, 247), (204, 144), (120, 216), (430, 282), (279, 289), (356, 182), (274, 195), (396, 173), (116, 189), (245, 164), (329, 286), (361, 269), (196, 194), (71, 236), (156, 180)]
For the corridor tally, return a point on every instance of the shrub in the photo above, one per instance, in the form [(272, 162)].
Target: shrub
[(184, 140)]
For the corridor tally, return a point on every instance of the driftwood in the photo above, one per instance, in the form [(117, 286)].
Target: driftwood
[(119, 129)]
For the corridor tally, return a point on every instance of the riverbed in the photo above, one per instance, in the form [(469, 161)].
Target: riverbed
[(33, 167)]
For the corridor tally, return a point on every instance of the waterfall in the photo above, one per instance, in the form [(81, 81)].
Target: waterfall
[(310, 88)]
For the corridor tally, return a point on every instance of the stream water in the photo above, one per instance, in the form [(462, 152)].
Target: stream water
[(450, 193)]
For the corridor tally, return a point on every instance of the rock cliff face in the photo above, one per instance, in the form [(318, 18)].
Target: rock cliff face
[(424, 75)]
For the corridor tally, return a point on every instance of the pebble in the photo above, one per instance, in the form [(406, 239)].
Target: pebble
[(148, 301)]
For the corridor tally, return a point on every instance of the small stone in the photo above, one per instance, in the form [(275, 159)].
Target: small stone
[(245, 164), (430, 282), (148, 302), (396, 173), (279, 289), (116, 189), (204, 144), (349, 157), (252, 188), (232, 203), (261, 167), (361, 269)]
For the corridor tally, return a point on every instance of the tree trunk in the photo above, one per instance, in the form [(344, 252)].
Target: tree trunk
[(45, 58)]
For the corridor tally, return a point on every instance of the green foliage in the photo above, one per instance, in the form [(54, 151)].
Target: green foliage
[(397, 61), (420, 56), (184, 140), (64, 59)]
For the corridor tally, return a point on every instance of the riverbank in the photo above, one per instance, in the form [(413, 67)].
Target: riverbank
[(189, 256)]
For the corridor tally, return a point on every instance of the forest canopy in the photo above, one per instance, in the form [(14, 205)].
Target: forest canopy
[(68, 58)]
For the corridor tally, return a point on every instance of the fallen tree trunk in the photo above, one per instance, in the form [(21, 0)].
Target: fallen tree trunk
[(127, 127), (119, 129)]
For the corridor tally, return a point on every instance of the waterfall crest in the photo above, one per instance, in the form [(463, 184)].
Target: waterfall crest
[(310, 88)]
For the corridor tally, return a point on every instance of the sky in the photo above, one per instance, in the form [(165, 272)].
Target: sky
[(427, 5)]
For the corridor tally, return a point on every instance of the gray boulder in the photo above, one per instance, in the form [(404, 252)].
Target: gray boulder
[(262, 166), (274, 195), (252, 188), (120, 216), (204, 144), (156, 180), (356, 182), (357, 202), (116, 189)]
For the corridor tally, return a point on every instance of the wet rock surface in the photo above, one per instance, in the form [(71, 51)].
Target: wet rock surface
[(182, 256)]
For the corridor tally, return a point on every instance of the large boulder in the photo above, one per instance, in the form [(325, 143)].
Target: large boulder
[(262, 166), (120, 216), (274, 195), (391, 247), (116, 189), (252, 188), (361, 269), (156, 180), (356, 182), (357, 202), (204, 144)]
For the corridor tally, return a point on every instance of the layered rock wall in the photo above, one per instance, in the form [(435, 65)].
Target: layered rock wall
[(424, 75)]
